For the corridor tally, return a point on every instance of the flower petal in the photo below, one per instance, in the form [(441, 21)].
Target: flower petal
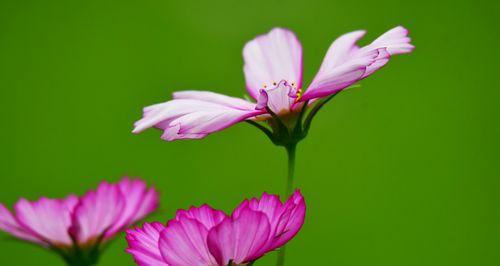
[(395, 40), (291, 220), (269, 204), (345, 62), (183, 243), (149, 204), (217, 98), (239, 239), (285, 219), (143, 244), (187, 118), (340, 51), (49, 219), (340, 77), (270, 58), (139, 201), (204, 214), (279, 99), (9, 224), (97, 212)]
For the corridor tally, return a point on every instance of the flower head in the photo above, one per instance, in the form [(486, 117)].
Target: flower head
[(273, 73), (75, 227), (202, 236)]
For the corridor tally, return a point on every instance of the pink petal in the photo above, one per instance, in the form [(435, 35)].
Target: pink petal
[(183, 243), (97, 212), (270, 205), (346, 63), (139, 201), (49, 219), (204, 214), (395, 40), (270, 58), (239, 239), (217, 98), (187, 118), (149, 204), (285, 219), (341, 76), (291, 220), (10, 225), (340, 51), (143, 244), (279, 99)]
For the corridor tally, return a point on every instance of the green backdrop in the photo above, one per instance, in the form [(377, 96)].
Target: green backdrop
[(402, 171)]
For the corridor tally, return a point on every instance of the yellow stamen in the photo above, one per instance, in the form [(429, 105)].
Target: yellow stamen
[(299, 94)]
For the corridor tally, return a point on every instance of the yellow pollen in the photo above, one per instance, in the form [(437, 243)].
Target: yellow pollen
[(299, 94)]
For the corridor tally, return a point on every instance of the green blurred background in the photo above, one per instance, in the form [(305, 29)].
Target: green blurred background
[(402, 171)]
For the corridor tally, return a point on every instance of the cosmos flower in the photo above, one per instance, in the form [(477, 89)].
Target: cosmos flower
[(273, 73), (77, 227), (203, 236)]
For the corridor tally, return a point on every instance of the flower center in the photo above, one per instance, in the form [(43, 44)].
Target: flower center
[(279, 98)]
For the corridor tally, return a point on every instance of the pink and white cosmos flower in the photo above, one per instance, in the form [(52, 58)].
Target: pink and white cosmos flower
[(75, 227), (273, 73), (203, 236)]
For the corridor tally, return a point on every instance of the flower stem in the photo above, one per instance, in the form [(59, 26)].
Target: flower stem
[(77, 258), (290, 150)]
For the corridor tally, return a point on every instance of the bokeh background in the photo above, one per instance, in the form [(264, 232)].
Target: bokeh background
[(402, 171)]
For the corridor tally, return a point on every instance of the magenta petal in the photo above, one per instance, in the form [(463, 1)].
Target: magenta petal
[(49, 219), (285, 219), (268, 204), (149, 204), (291, 220), (183, 243), (239, 239), (139, 201), (143, 244), (10, 225), (204, 214), (97, 212), (270, 58)]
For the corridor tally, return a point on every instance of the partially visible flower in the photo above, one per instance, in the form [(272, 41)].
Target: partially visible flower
[(76, 227), (204, 236), (273, 73)]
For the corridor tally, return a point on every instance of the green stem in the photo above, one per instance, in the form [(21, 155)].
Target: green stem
[(290, 150), (81, 262), (80, 257)]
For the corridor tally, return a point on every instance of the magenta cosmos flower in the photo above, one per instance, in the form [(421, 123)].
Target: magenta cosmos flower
[(204, 236), (273, 73), (77, 227)]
